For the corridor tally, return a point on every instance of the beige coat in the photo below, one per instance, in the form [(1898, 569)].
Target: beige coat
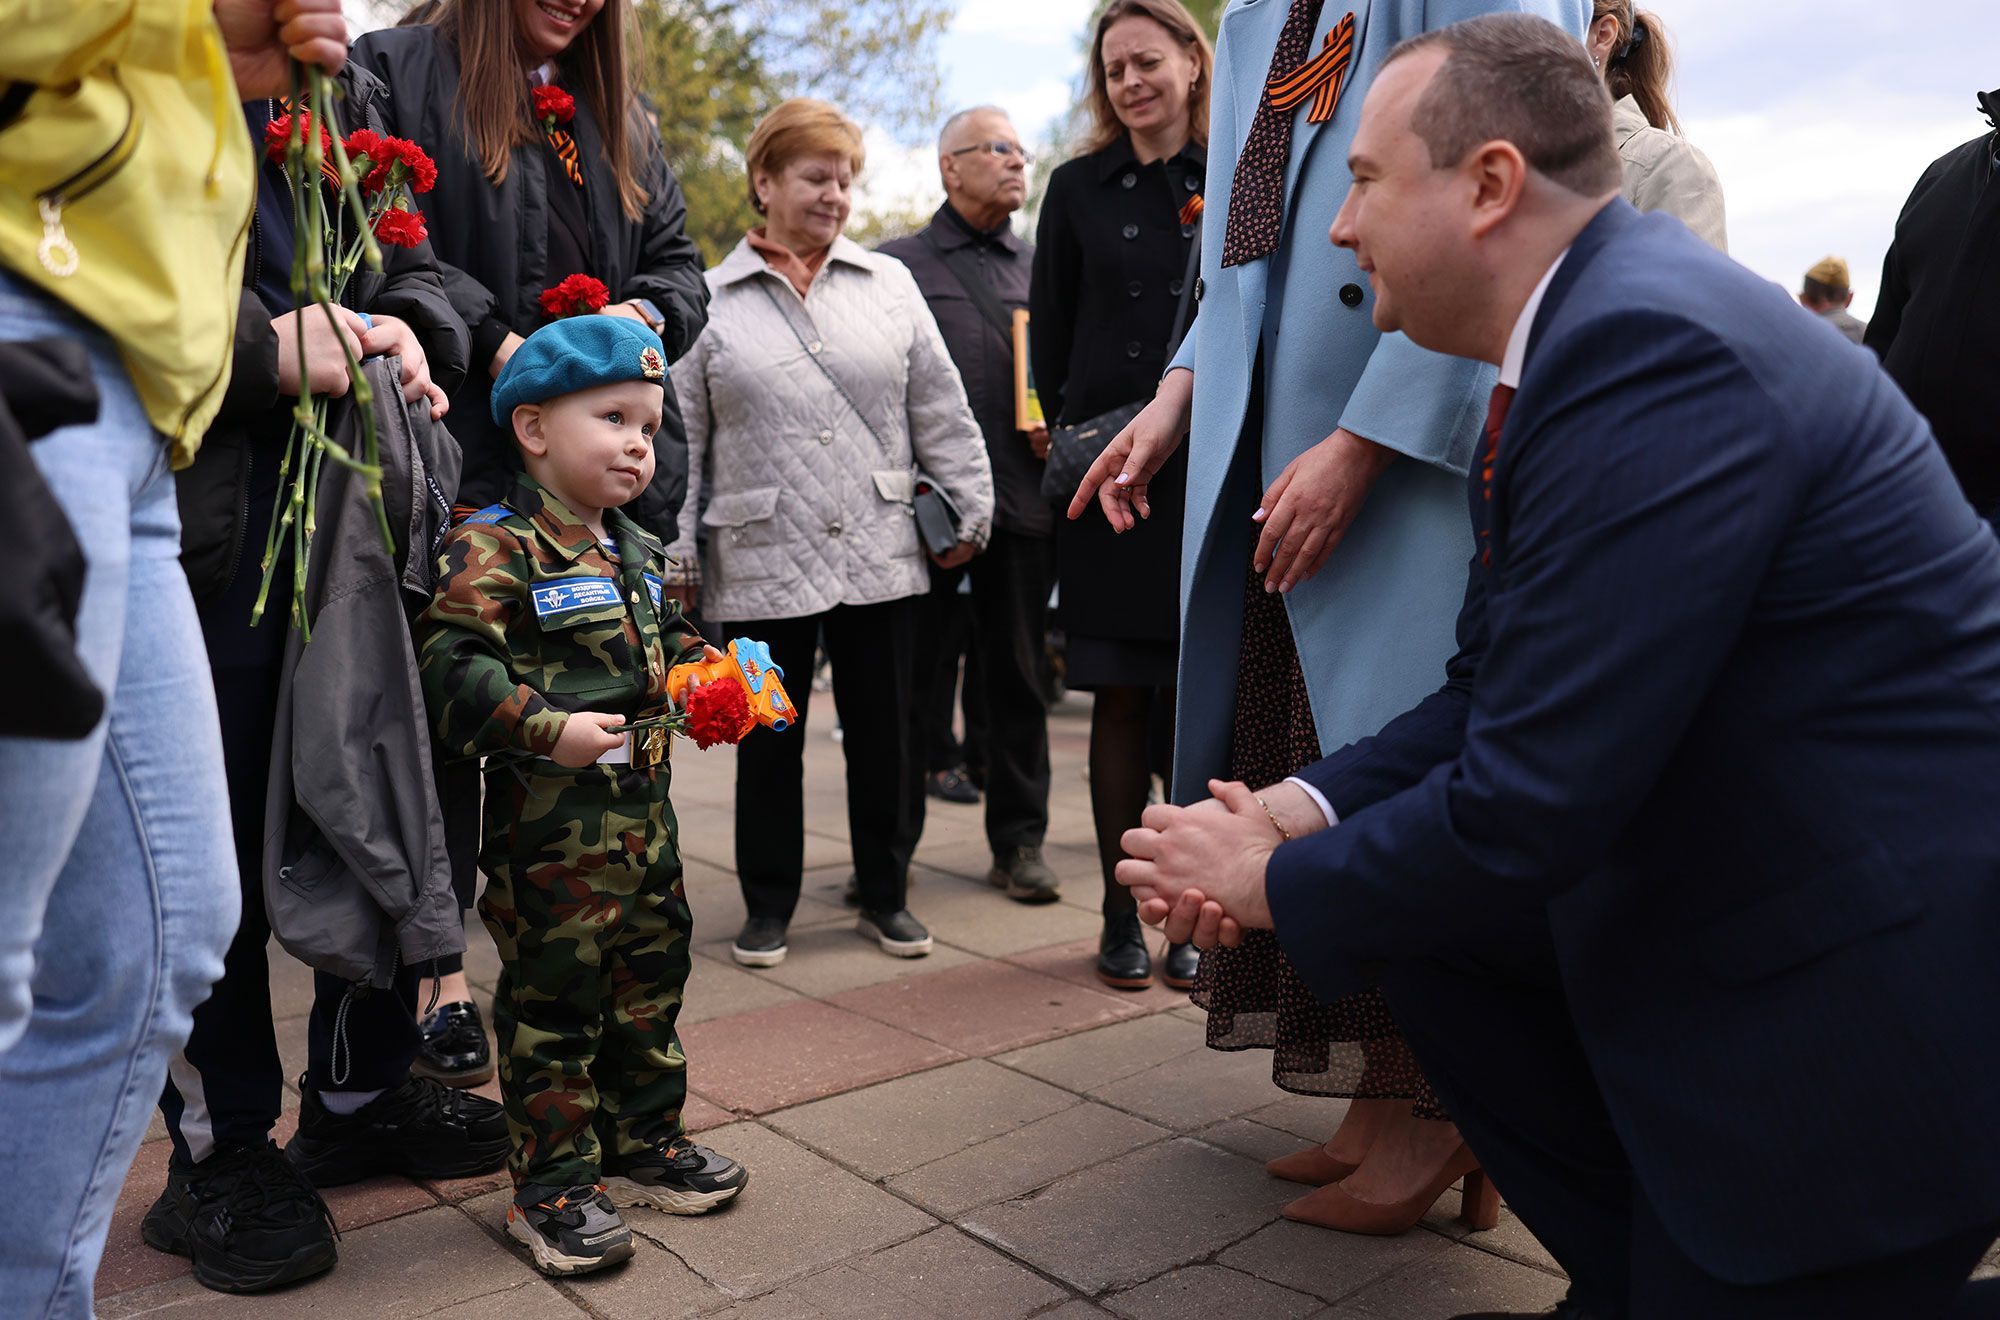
[(795, 506), (1666, 172)]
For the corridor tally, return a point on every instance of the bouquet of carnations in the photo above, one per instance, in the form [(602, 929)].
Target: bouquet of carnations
[(373, 180)]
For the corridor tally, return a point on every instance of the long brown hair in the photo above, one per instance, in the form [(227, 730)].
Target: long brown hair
[(493, 93), (1105, 127), (1642, 62)]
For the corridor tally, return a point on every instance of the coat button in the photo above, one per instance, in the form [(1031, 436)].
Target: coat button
[(1200, 287), (1187, 231), (1135, 288), (1189, 183), (1130, 231), (813, 347), (1351, 294), (1175, 287), (635, 598), (1132, 349), (826, 437), (1130, 181), (833, 529)]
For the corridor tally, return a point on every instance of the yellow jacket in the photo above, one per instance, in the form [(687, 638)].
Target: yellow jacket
[(126, 187)]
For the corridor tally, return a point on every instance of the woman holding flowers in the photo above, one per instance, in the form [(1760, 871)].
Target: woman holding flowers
[(546, 171)]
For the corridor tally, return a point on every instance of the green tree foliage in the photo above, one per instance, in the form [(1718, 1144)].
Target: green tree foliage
[(711, 68)]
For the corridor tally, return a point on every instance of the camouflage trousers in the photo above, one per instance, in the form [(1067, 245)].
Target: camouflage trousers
[(584, 900)]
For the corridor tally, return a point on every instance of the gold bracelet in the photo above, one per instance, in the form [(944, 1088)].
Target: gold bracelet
[(1284, 835)]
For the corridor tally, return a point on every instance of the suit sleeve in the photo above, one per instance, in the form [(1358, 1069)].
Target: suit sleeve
[(476, 705), (1052, 299), (1638, 510)]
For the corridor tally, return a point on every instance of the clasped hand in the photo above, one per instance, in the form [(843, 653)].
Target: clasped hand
[(1199, 871)]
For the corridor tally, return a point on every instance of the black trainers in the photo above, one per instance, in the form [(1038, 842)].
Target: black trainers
[(1022, 873), (953, 785), (761, 943), (678, 1177), (1178, 968), (897, 932), (420, 1129), (568, 1231), (454, 1049), (1122, 959), (246, 1217)]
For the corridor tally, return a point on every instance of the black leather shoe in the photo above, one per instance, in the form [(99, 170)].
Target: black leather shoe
[(247, 1218), (1177, 969), (420, 1129), (761, 943), (952, 786), (1122, 959), (898, 933), (1024, 875), (454, 1049)]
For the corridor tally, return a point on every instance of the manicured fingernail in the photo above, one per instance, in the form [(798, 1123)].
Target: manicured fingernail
[(1269, 586), (1259, 516), (1121, 480)]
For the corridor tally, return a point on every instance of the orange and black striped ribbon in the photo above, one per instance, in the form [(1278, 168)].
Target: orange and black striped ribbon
[(565, 148), (1321, 78), (1191, 212)]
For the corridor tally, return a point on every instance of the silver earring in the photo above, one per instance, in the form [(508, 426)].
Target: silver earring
[(1596, 63)]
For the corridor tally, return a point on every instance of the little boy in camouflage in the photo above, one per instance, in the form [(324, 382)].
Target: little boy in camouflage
[(548, 634)]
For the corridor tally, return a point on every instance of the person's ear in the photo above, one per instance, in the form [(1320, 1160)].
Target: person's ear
[(1498, 175), (528, 431)]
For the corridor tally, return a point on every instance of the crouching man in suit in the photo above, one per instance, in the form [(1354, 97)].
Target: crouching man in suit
[(1686, 884)]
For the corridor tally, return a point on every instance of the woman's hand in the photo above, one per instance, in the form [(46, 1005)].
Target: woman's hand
[(502, 353), (586, 735), (958, 554), (1038, 442), (1119, 477), (1309, 508), (324, 370), (264, 36), (393, 335)]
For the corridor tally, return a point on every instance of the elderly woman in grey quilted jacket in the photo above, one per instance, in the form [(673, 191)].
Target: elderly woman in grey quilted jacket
[(819, 388)]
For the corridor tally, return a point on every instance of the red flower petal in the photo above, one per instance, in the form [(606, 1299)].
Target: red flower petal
[(719, 712), (400, 228)]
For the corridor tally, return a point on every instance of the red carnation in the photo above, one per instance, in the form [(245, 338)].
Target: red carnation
[(400, 228), (363, 146), (719, 712), (577, 295), (278, 136), (553, 105), (392, 161)]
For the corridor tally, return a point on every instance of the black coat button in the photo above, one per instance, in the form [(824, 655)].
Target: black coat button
[(1200, 287), (1132, 349), (1135, 288), (1187, 231), (1130, 181), (1130, 231), (1351, 294), (1176, 286), (1189, 183)]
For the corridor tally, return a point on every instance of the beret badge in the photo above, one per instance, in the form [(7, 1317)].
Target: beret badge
[(652, 364)]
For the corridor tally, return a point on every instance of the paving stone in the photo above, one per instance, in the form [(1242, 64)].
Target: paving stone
[(826, 960), (1253, 1141), (128, 1262), (371, 1201), (405, 1267), (1125, 1221), (1074, 1310), (718, 988), (942, 1273), (1076, 962), (1322, 1262), (971, 914), (1202, 1292), (1509, 1238), (1454, 1280), (898, 1125), (717, 905), (698, 1115), (799, 1215), (1310, 1117), (756, 1062), (717, 846), (1107, 1054), (536, 1299), (1196, 1090), (984, 1008), (654, 1284), (1025, 1159)]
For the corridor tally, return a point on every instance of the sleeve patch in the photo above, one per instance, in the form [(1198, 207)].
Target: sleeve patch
[(492, 513), (558, 598)]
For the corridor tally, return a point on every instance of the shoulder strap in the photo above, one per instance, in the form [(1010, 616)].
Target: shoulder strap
[(964, 268), (824, 370), (1188, 281)]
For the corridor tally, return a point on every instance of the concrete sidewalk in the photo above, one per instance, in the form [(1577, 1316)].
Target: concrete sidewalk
[(984, 1133)]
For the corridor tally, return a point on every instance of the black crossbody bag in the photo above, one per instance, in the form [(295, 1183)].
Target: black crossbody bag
[(1073, 448)]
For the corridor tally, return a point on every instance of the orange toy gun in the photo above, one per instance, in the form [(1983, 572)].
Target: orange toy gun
[(749, 663)]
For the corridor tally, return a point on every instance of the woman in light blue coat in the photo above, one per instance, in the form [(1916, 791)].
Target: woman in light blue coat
[(1324, 552)]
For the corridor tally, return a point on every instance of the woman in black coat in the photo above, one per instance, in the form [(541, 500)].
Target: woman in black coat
[(1111, 259)]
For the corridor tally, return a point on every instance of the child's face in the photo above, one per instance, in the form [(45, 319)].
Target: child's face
[(594, 448)]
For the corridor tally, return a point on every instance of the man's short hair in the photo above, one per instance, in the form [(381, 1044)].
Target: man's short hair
[(953, 124), (1520, 79), (1825, 293)]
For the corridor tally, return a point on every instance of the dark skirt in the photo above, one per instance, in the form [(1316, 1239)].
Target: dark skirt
[(1090, 663), (1254, 999)]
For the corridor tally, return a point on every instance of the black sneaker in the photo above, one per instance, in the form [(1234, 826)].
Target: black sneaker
[(454, 1049), (897, 932), (1122, 959), (678, 1177), (569, 1231), (1022, 873), (246, 1217), (952, 785), (420, 1129), (1178, 968), (761, 943)]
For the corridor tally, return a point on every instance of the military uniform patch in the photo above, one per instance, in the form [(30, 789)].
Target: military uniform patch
[(492, 513), (652, 364), (554, 599), (653, 585)]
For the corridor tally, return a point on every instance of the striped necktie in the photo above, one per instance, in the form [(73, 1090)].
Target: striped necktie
[(1257, 197), (1496, 421)]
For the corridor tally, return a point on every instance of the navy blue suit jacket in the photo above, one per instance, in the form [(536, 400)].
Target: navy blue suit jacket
[(1727, 707)]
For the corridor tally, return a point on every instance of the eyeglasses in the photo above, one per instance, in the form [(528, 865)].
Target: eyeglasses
[(999, 147)]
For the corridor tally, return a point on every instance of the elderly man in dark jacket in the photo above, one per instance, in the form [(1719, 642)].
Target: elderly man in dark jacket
[(973, 271), (248, 1216)]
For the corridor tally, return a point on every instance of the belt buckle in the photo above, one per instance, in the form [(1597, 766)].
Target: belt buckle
[(649, 747)]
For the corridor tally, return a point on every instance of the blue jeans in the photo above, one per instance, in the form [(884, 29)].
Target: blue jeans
[(118, 889)]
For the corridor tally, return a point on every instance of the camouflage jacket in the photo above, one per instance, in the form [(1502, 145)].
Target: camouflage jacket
[(533, 619)]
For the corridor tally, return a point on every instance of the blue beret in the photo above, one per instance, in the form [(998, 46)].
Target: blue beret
[(577, 353)]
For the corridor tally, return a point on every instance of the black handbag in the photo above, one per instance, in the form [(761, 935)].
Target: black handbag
[(937, 517), (1074, 447)]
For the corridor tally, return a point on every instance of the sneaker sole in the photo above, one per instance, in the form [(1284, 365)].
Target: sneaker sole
[(868, 930), (758, 957), (307, 1262), (335, 1164), (999, 879), (625, 1192), (550, 1261)]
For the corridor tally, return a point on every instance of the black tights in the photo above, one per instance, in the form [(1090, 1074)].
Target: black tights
[(1131, 740)]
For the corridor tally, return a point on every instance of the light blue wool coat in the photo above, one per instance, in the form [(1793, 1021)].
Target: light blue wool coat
[(1374, 627)]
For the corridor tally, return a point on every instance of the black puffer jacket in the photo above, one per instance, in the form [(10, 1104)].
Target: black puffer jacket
[(492, 243), (246, 443)]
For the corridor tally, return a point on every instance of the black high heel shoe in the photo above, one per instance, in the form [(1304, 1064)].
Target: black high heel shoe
[(1122, 959)]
